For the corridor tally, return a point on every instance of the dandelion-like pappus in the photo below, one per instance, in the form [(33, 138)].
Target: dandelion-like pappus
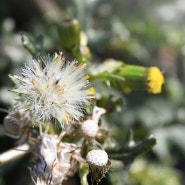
[(51, 87)]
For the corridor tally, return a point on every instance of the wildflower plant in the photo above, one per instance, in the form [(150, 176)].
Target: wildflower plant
[(53, 91)]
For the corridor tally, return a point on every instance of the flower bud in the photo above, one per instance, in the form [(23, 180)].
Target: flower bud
[(134, 77), (142, 78), (99, 164), (89, 129), (129, 77), (69, 33)]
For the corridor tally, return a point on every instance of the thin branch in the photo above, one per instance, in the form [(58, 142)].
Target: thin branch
[(13, 154)]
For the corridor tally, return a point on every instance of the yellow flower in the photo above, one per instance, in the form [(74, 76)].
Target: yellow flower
[(141, 78), (155, 80), (117, 74)]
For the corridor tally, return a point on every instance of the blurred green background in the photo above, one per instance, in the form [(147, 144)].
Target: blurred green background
[(147, 33)]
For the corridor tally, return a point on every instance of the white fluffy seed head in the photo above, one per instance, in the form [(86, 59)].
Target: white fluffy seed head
[(51, 87), (97, 158), (89, 129)]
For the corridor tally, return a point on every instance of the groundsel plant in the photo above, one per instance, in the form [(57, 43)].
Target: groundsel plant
[(52, 91), (51, 87)]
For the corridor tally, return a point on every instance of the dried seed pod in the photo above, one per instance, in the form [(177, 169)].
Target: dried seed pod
[(69, 157), (17, 125), (12, 125), (89, 129), (53, 161), (99, 164), (44, 160)]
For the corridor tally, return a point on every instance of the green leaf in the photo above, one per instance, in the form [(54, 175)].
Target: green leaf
[(130, 150)]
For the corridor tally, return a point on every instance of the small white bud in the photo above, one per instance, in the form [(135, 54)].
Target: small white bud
[(97, 158), (89, 129), (99, 164)]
